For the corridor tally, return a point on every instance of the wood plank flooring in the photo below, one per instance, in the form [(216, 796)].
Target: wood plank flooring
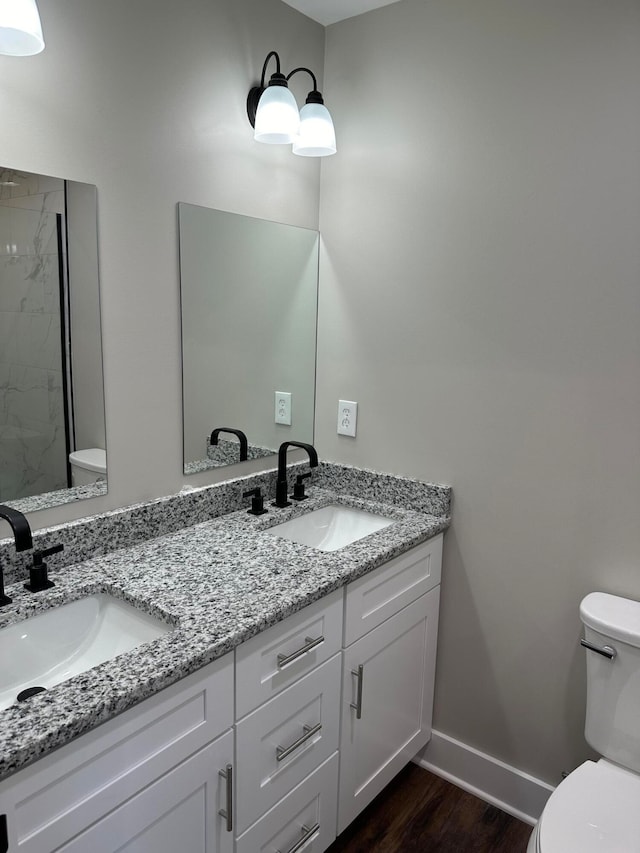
[(421, 813)]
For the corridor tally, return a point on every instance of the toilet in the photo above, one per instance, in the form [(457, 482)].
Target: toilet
[(596, 809), (88, 466)]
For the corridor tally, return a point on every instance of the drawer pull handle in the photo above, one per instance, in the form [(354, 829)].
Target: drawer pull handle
[(309, 731), (227, 813), (357, 705), (308, 835), (310, 643), (606, 651)]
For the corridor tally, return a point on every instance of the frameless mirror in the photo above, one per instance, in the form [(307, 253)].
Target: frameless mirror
[(249, 292), (52, 428)]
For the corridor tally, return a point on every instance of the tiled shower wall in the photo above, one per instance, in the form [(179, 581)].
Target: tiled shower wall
[(32, 439)]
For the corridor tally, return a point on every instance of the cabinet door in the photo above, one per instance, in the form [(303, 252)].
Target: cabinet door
[(61, 795), (179, 812), (396, 692)]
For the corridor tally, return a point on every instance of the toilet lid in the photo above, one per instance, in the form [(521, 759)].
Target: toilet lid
[(594, 810), (92, 459)]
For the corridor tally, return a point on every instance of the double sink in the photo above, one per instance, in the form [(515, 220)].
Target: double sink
[(63, 642)]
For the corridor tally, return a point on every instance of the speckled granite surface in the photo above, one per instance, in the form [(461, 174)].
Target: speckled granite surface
[(225, 452), (218, 582), (97, 535), (61, 496)]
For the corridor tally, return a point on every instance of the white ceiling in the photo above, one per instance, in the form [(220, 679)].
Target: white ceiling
[(329, 11)]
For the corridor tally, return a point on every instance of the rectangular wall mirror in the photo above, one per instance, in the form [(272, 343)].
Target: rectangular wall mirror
[(52, 426), (249, 292)]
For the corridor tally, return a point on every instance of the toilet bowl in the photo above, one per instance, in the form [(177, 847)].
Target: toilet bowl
[(88, 466), (596, 809)]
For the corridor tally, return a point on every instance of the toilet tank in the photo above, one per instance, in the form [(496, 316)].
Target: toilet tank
[(612, 724), (88, 466)]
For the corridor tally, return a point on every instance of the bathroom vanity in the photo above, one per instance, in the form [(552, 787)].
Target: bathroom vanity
[(299, 683)]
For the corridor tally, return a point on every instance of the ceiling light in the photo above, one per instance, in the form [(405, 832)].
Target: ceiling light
[(20, 28)]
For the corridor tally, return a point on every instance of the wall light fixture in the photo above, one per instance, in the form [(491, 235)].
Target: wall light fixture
[(274, 115), (20, 28)]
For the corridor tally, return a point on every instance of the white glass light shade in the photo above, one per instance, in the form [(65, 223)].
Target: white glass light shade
[(317, 137), (20, 28), (277, 116)]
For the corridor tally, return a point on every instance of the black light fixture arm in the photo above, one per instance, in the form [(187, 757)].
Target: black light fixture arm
[(313, 97), (264, 67), (255, 93)]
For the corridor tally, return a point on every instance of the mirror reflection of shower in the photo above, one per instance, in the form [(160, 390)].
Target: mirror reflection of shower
[(42, 416)]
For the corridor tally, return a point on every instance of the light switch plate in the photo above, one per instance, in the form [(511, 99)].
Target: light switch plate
[(283, 408), (347, 417)]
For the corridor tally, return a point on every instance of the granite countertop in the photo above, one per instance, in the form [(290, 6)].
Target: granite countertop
[(218, 582)]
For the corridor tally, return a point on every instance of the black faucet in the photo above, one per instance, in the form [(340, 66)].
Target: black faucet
[(281, 483), (21, 535), (244, 444)]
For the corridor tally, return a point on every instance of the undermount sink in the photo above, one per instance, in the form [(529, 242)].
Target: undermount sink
[(331, 527), (53, 646)]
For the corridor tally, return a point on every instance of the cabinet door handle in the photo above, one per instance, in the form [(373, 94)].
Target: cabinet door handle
[(357, 705), (310, 643), (227, 813), (309, 731), (308, 835)]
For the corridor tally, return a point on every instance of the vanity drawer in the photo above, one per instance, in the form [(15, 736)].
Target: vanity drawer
[(262, 670), (53, 799), (304, 721), (311, 804), (372, 599)]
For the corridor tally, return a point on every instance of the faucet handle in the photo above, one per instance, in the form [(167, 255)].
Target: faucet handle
[(257, 501), (38, 577), (298, 488), (46, 552)]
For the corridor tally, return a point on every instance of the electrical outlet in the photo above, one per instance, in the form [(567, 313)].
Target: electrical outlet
[(347, 417), (283, 408)]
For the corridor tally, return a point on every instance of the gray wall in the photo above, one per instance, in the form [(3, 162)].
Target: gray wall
[(489, 327), (146, 100)]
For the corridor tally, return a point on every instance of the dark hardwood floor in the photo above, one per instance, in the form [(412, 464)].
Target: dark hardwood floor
[(421, 813)]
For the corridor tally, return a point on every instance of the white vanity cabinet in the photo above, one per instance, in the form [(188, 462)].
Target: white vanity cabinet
[(295, 691), (391, 628), (146, 781), (272, 749)]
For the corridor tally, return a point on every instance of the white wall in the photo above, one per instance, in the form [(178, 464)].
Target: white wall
[(146, 100), (480, 299)]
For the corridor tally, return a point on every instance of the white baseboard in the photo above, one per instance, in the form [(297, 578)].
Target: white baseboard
[(509, 789)]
